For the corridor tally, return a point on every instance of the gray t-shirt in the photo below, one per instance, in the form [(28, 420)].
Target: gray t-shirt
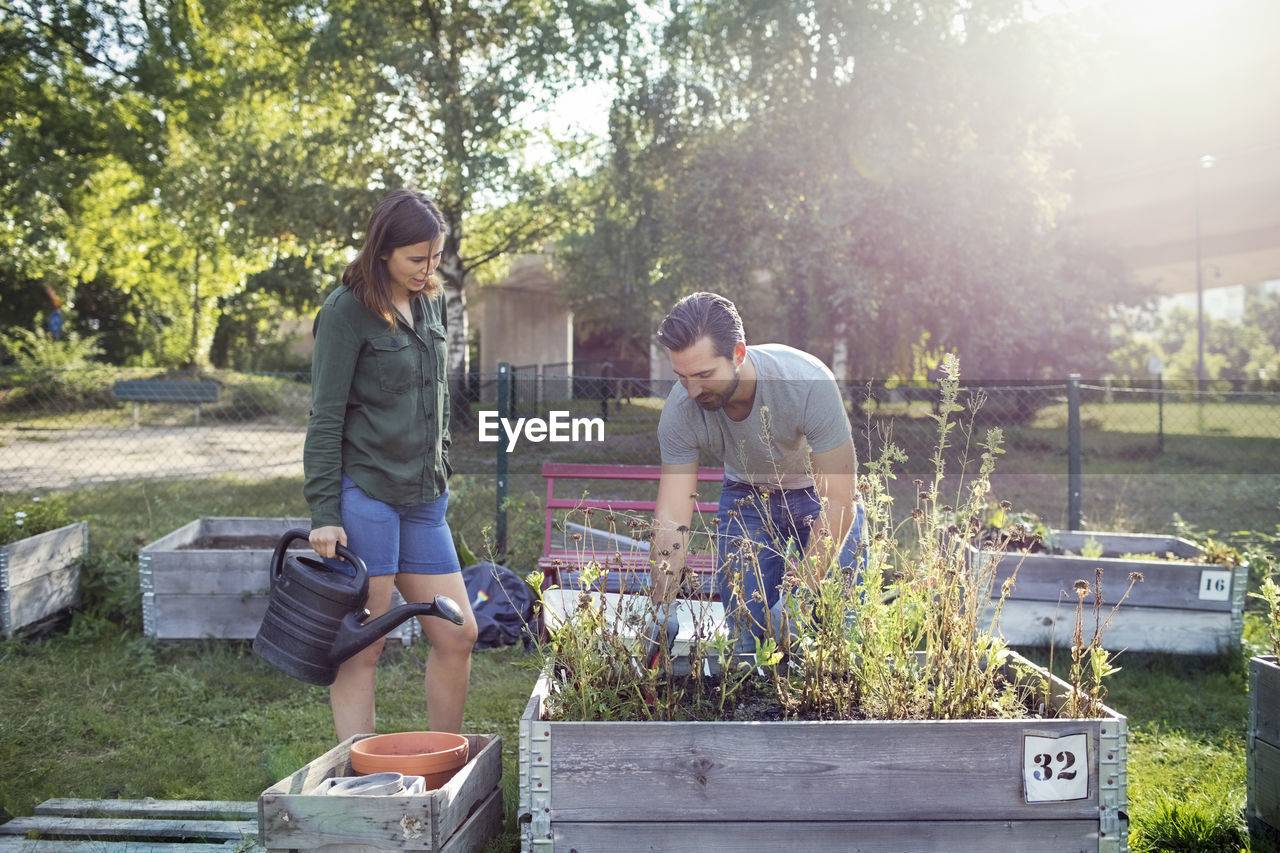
[(797, 408)]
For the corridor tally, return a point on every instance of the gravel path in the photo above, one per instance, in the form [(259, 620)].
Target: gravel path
[(39, 459)]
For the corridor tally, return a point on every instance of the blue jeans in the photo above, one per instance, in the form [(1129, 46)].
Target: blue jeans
[(764, 523), (391, 539)]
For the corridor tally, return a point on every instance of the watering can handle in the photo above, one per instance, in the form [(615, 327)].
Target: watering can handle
[(277, 558)]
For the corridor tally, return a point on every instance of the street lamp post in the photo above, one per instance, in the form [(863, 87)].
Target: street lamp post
[(1206, 162)]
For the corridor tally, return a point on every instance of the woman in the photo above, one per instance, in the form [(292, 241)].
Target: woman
[(376, 457)]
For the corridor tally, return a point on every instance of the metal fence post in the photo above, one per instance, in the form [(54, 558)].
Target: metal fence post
[(1074, 516), (1160, 412), (505, 381)]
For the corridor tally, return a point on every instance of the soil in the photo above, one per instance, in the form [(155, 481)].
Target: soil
[(239, 543)]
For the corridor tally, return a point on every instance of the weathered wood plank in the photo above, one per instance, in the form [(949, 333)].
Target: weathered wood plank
[(483, 824), (1046, 577), (42, 596), (1138, 629), (1165, 585), (212, 572), (39, 555), (1264, 781), (964, 770), (253, 526), (37, 576), (479, 828), (290, 817), (471, 785), (1265, 688), (203, 809), (217, 593), (129, 828), (183, 536), (1060, 836), (15, 845), (194, 617)]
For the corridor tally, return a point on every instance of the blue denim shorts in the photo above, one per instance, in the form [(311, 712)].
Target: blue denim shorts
[(391, 539), (769, 520)]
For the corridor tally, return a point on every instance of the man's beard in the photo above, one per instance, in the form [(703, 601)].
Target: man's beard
[(716, 402)]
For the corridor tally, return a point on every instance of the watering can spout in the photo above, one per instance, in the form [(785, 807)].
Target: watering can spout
[(354, 633)]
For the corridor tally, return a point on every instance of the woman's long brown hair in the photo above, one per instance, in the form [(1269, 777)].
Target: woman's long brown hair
[(402, 218)]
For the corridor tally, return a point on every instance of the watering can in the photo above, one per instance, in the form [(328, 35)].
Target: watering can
[(316, 616)]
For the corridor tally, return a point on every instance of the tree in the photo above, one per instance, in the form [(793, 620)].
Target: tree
[(859, 175), (460, 77)]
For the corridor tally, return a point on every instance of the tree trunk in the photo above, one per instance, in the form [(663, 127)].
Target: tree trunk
[(455, 306), (840, 351)]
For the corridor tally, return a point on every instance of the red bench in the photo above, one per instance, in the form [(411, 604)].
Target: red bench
[(609, 543)]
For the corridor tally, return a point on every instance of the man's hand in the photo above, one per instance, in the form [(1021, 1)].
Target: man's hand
[(672, 514), (835, 478)]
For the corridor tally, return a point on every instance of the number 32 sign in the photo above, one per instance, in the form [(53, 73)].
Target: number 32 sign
[(1055, 769)]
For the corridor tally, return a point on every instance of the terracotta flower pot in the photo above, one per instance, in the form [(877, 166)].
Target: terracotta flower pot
[(435, 756)]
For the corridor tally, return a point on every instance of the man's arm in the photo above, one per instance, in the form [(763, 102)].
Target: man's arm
[(835, 478), (672, 515)]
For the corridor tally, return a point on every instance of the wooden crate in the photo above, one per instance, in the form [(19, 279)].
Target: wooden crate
[(192, 593), (458, 818), (1189, 607), (959, 786), (1263, 755), (133, 826), (39, 576)]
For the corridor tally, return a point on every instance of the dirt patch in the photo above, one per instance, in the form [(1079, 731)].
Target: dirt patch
[(237, 543)]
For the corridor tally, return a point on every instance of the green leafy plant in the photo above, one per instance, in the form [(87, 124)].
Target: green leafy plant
[(1269, 593), (1200, 825), (21, 516), (1091, 549), (912, 636)]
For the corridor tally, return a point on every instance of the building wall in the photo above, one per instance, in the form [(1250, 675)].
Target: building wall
[(521, 320)]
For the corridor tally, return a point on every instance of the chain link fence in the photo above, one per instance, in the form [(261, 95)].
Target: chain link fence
[(70, 429)]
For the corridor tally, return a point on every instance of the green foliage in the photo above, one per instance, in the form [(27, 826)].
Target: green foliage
[(21, 517), (1269, 594), (110, 597), (922, 195), (48, 371), (1176, 826), (1237, 354), (39, 351)]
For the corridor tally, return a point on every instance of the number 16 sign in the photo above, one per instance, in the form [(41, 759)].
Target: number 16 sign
[(1055, 768)]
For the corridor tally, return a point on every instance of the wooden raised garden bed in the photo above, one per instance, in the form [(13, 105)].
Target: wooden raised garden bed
[(1184, 605), (961, 786), (40, 576), (1263, 757), (212, 578), (457, 818)]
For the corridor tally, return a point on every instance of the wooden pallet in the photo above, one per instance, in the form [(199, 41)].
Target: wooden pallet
[(134, 826)]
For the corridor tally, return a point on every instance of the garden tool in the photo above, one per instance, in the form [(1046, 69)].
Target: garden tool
[(651, 644), (316, 615)]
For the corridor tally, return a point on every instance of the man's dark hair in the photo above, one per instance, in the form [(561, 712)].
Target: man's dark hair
[(701, 315)]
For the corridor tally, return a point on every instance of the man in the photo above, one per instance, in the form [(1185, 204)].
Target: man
[(774, 416)]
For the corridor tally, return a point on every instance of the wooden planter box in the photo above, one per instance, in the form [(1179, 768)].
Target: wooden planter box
[(458, 818), (1182, 607), (221, 592), (959, 786), (1263, 757), (39, 576)]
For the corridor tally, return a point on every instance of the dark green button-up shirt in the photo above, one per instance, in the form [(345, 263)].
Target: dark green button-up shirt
[(379, 407)]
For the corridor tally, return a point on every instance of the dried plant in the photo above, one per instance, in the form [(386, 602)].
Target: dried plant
[(914, 635)]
